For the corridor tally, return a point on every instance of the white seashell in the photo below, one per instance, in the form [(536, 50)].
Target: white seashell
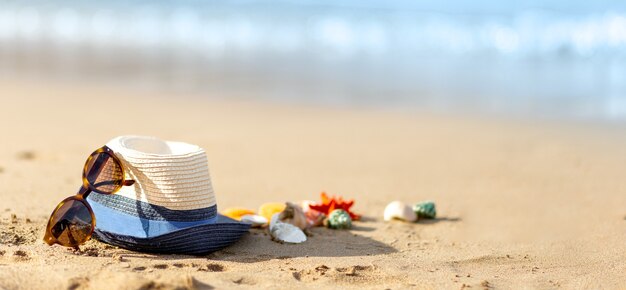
[(255, 220), (400, 211), (285, 232)]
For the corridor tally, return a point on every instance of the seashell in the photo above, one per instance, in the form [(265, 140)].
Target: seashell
[(400, 211), (268, 210), (285, 232), (425, 209), (293, 214), (236, 212), (339, 219), (314, 218), (256, 221)]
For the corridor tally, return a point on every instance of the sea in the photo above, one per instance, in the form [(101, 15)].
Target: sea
[(561, 59)]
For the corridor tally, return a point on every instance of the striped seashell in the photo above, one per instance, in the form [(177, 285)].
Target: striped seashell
[(339, 219)]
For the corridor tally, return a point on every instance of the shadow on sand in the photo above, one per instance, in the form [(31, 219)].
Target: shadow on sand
[(258, 246)]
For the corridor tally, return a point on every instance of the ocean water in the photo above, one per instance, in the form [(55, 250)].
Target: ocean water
[(538, 58)]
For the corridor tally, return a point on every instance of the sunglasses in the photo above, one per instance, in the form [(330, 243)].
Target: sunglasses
[(72, 222)]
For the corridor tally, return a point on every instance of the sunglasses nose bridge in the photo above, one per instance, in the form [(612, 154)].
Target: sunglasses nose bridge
[(71, 225)]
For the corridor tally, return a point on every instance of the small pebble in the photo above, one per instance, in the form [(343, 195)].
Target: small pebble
[(425, 210), (125, 265)]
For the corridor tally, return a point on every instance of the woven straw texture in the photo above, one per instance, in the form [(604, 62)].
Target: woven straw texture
[(174, 175)]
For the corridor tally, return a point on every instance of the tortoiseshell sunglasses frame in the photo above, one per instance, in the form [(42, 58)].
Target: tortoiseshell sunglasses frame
[(82, 194)]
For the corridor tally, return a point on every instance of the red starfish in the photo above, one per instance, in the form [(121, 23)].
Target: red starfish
[(333, 203)]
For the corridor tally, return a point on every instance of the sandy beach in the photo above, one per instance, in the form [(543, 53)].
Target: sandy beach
[(521, 204)]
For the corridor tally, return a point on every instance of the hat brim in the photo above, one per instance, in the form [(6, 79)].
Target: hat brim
[(196, 240)]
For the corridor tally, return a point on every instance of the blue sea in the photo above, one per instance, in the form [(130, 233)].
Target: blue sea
[(536, 58)]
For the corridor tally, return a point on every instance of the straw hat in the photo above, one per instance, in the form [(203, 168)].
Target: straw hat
[(171, 208)]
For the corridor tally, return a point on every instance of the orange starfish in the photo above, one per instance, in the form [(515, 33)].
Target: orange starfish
[(333, 203)]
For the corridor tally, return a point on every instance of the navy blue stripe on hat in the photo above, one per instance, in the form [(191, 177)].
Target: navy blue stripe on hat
[(195, 241), (150, 211)]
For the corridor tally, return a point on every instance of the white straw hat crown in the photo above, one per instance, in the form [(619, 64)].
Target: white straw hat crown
[(174, 175)]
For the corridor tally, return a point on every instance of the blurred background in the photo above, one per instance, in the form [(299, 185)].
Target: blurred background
[(550, 59)]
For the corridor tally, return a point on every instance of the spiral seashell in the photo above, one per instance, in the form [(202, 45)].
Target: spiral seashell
[(339, 219), (293, 214)]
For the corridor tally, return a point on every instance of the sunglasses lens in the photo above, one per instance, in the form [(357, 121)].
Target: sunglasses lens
[(104, 173), (71, 224)]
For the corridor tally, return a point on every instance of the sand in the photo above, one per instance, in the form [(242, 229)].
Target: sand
[(521, 204)]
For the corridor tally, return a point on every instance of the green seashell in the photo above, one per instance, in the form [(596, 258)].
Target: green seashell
[(425, 209), (339, 219)]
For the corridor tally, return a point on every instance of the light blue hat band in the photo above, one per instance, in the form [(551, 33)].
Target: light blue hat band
[(138, 225), (150, 211)]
